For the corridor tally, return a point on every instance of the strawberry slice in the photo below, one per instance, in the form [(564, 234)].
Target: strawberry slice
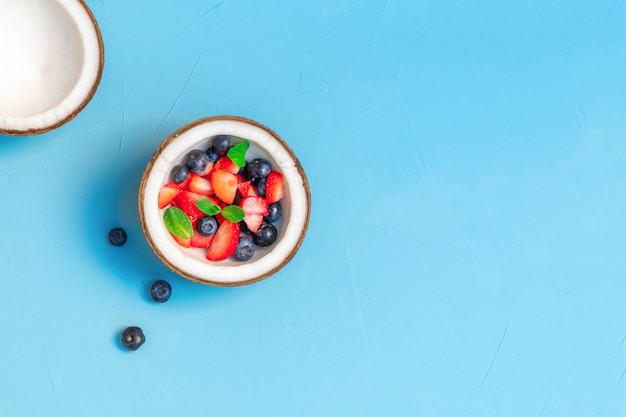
[(214, 200), (186, 201), (253, 221), (254, 205), (200, 185), (226, 164), (274, 189), (255, 208), (199, 241), (182, 185), (224, 185), (167, 194), (185, 243), (220, 218), (246, 189), (225, 241)]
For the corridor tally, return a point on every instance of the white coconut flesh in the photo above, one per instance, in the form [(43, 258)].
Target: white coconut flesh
[(50, 62), (295, 204)]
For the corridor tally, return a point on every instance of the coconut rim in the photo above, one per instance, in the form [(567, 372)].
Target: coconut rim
[(87, 26), (156, 249)]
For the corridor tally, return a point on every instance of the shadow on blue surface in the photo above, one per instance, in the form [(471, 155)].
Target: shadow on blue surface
[(16, 144), (112, 198)]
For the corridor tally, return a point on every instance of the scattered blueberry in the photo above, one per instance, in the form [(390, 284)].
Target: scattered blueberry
[(160, 291), (258, 168), (179, 173), (133, 338), (259, 185), (222, 143), (274, 212), (213, 156), (245, 248), (237, 200), (117, 236), (266, 235), (196, 161), (207, 226)]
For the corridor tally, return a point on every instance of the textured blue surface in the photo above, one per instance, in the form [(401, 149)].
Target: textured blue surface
[(465, 255)]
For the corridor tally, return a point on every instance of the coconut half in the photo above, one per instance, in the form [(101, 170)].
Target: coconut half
[(191, 262), (52, 60)]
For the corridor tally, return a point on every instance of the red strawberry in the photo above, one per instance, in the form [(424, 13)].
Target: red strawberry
[(246, 189), (199, 241), (253, 221), (225, 241), (214, 200), (274, 189), (220, 218), (167, 194), (226, 164), (186, 201), (224, 185), (183, 185), (255, 208), (182, 242), (200, 185), (254, 205)]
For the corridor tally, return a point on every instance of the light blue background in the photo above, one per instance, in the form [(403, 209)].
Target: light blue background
[(465, 257)]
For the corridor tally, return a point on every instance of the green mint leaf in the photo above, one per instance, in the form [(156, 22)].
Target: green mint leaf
[(208, 207), (178, 223), (237, 153), (233, 214)]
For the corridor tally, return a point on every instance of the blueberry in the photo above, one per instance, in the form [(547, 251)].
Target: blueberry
[(274, 212), (179, 173), (160, 291), (196, 161), (244, 173), (117, 236), (258, 168), (237, 200), (222, 143), (259, 184), (207, 226), (133, 338), (213, 156), (245, 248), (266, 235)]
